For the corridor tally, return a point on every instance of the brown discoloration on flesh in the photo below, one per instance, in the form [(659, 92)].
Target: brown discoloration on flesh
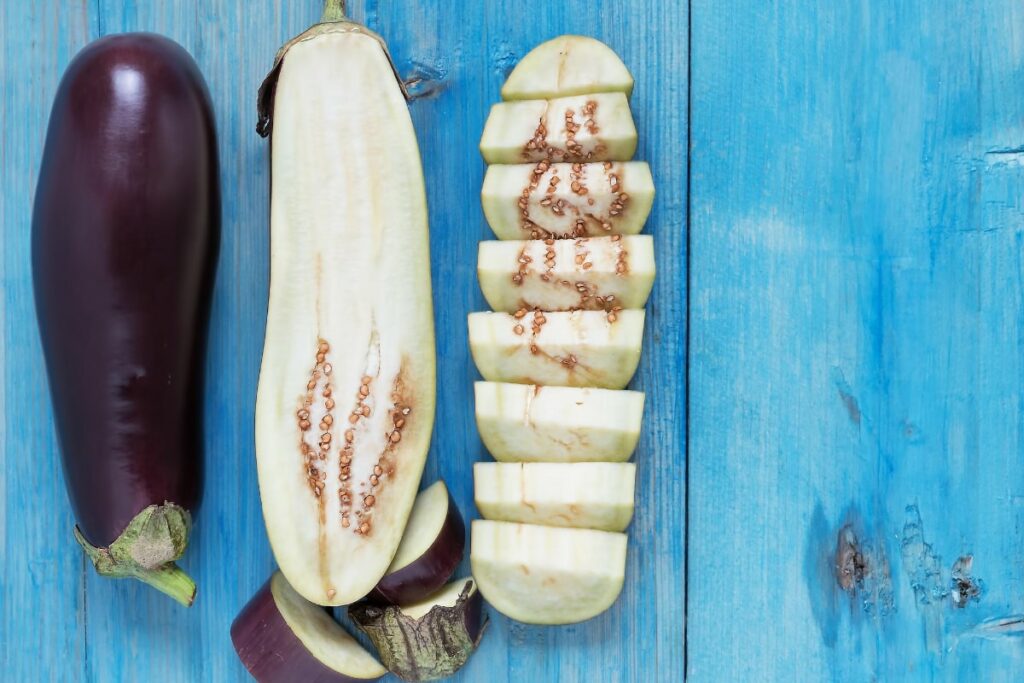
[(314, 458)]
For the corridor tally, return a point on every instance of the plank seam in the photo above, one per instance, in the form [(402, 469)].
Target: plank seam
[(686, 341)]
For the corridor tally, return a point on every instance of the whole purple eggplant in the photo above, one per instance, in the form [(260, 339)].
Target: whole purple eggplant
[(124, 240)]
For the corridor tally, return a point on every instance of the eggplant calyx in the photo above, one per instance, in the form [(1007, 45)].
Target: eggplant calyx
[(147, 549), (334, 10), (425, 648)]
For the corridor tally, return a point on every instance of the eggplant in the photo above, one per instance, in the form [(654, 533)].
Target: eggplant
[(429, 639), (345, 403), (281, 637), (125, 233), (430, 551)]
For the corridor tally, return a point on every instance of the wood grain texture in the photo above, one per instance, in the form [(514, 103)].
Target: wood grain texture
[(58, 620), (857, 331)]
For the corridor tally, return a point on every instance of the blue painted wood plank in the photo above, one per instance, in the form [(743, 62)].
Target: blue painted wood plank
[(856, 330), (41, 581), (97, 630)]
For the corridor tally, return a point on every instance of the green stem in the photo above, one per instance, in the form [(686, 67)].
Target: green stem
[(334, 10), (146, 550), (170, 580)]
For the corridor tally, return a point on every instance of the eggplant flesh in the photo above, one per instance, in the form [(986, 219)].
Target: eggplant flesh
[(124, 240), (524, 423), (547, 575), (345, 402), (583, 495), (567, 65)]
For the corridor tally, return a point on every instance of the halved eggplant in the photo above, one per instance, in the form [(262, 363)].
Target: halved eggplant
[(345, 404), (583, 128), (431, 549), (587, 495), (567, 200), (567, 65), (525, 423), (547, 575), (598, 273), (282, 637), (577, 348), (429, 639)]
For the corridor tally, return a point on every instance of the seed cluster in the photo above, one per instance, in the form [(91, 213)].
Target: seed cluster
[(314, 458), (360, 411), (524, 199), (524, 261), (574, 148), (385, 465), (622, 256), (578, 211), (582, 254), (586, 291), (537, 147), (620, 198), (549, 259)]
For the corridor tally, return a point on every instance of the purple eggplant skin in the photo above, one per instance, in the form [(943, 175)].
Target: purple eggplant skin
[(428, 572), (125, 234), (270, 650)]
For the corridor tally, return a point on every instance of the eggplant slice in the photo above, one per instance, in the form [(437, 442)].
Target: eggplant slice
[(282, 637)]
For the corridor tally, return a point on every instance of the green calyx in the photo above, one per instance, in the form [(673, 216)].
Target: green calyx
[(334, 10), (147, 549), (429, 648)]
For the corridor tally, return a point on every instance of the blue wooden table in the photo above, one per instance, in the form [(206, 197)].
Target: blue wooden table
[(839, 239)]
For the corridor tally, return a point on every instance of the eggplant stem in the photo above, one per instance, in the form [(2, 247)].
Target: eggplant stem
[(334, 10), (147, 549)]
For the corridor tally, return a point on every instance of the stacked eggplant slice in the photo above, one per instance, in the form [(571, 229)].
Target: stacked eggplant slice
[(568, 280)]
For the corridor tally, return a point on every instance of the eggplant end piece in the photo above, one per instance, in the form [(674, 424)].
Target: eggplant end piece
[(147, 549), (429, 640)]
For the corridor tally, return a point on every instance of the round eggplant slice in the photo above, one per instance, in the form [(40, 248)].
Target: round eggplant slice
[(431, 549), (282, 637), (429, 639)]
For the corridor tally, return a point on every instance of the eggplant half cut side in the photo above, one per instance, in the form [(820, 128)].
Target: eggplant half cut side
[(345, 403)]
